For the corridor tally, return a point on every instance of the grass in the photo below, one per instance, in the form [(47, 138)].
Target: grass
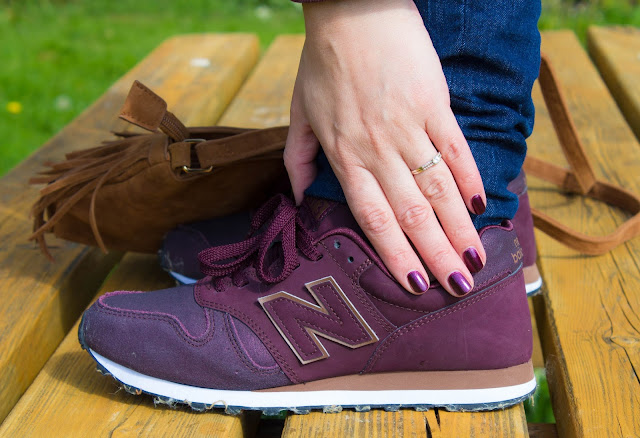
[(59, 56)]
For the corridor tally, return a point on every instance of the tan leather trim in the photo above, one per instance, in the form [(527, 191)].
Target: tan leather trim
[(531, 274), (418, 380), (580, 179)]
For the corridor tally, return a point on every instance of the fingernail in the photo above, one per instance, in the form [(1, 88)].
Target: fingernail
[(417, 282), (472, 260), (478, 204), (459, 284)]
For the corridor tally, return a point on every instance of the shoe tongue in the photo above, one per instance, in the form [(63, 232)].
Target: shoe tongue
[(321, 215)]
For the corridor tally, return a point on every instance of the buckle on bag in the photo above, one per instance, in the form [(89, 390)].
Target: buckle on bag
[(187, 169)]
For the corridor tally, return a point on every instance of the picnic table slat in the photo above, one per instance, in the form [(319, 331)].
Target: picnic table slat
[(435, 423), (589, 316), (71, 369), (616, 53), (42, 300)]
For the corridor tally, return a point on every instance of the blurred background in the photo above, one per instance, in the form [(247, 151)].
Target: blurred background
[(58, 56)]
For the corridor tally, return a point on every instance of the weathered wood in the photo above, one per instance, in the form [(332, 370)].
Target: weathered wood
[(265, 98), (616, 53), (69, 398), (71, 369), (41, 301), (542, 430), (435, 423), (589, 316)]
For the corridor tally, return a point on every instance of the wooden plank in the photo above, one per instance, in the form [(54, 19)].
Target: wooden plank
[(616, 53), (71, 369), (589, 315), (41, 301), (435, 423), (69, 398)]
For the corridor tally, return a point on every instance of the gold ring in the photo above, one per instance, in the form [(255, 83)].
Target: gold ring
[(435, 160)]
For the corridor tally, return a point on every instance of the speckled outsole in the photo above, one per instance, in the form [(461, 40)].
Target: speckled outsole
[(299, 402)]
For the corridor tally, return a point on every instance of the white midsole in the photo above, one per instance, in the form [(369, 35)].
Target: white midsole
[(534, 286), (259, 400), (182, 279)]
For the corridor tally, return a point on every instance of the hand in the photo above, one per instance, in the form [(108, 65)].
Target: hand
[(371, 90)]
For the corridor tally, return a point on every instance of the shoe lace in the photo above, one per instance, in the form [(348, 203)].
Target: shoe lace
[(285, 227)]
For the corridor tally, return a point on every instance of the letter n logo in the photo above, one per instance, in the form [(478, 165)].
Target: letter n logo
[(332, 317)]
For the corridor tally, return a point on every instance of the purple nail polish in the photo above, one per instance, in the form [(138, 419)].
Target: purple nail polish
[(417, 282), (459, 284), (472, 260), (478, 204)]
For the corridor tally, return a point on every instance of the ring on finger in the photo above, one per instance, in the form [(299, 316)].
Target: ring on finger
[(429, 164)]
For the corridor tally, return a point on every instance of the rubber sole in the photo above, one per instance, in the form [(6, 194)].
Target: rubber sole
[(330, 395), (532, 280)]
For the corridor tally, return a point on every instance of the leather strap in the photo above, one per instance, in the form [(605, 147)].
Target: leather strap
[(147, 110), (580, 179)]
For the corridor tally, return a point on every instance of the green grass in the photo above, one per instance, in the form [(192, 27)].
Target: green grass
[(59, 56)]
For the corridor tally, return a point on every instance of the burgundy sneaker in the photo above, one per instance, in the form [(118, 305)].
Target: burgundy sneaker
[(179, 253), (304, 315), (523, 223)]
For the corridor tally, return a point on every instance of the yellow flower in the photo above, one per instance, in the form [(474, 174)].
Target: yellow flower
[(14, 107)]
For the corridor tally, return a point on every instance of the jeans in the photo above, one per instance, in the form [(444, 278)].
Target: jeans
[(490, 54)]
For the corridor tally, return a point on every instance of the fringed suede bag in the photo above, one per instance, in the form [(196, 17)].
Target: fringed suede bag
[(127, 193)]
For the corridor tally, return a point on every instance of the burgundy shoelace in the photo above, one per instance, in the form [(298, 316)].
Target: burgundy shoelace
[(284, 223)]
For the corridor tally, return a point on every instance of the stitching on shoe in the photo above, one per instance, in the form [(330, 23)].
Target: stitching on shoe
[(436, 316), (177, 327), (356, 289), (249, 321), (244, 357)]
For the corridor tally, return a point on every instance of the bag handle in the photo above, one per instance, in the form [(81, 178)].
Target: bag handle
[(580, 179), (147, 110)]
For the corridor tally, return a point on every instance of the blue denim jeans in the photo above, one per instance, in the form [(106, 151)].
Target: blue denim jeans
[(490, 54)]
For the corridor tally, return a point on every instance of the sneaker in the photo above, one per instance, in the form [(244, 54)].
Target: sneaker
[(305, 316), (181, 246), (523, 223)]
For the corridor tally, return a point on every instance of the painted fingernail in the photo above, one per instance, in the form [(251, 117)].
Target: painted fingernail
[(478, 204), (417, 282), (459, 284), (472, 260)]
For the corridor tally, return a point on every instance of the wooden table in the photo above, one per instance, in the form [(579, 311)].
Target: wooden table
[(588, 315)]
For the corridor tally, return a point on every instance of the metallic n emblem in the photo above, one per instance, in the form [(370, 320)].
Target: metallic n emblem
[(301, 322)]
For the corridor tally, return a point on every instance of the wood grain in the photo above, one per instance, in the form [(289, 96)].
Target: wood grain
[(616, 53), (69, 398), (589, 314), (41, 301), (69, 380)]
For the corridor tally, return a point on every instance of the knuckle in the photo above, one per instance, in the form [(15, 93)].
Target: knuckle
[(415, 216), (437, 187), (400, 257), (377, 221), (453, 150), (438, 257)]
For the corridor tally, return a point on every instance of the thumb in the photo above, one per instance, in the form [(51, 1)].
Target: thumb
[(300, 153)]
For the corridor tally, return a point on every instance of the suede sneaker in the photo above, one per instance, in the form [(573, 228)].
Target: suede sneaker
[(181, 246), (304, 315)]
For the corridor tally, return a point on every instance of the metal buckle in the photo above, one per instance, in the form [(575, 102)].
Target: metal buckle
[(187, 169)]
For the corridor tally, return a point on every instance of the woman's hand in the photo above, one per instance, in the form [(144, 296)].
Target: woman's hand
[(371, 90)]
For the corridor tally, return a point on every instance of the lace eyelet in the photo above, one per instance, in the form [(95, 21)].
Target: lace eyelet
[(350, 259), (336, 244)]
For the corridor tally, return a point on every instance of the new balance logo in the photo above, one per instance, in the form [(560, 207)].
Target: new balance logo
[(332, 317)]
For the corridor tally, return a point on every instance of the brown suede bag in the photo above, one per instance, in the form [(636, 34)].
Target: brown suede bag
[(128, 193)]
